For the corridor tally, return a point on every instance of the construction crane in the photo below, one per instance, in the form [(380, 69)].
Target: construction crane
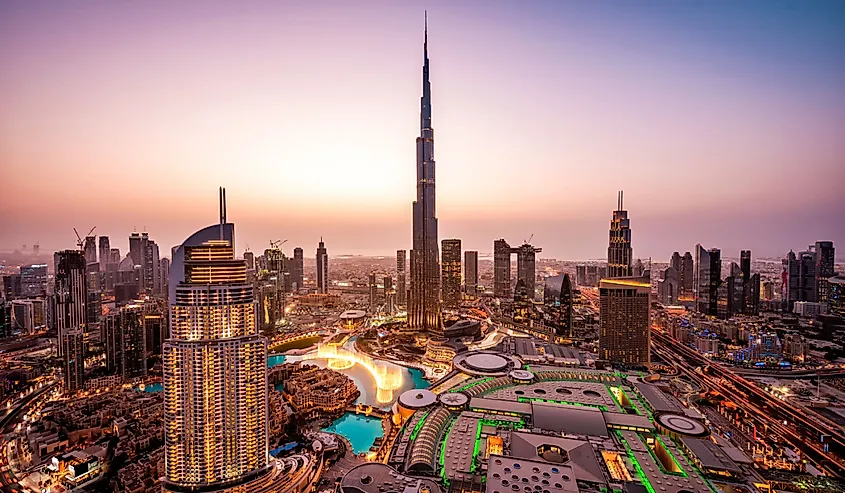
[(79, 241), (528, 241), (277, 244)]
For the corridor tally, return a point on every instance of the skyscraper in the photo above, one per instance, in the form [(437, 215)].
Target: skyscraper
[(389, 296), (625, 332), (322, 268), (745, 263), (801, 284), (401, 288), (125, 342), (526, 270), (424, 305), (71, 315), (297, 268), (451, 272), (214, 368), (249, 258), (557, 303), (686, 277), (825, 269), (104, 251), (619, 248), (371, 283), (33, 280), (90, 249), (501, 269), (145, 254), (708, 272), (471, 272)]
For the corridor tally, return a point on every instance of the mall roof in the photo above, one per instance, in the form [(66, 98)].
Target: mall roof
[(572, 420)]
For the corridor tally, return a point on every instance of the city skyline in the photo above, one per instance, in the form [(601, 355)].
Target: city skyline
[(598, 110)]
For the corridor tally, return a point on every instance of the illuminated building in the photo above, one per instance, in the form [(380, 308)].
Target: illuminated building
[(624, 334), (501, 269), (371, 283), (125, 342), (424, 305), (557, 304), (12, 286), (619, 247), (28, 316), (451, 272), (322, 268), (71, 315), (471, 273), (800, 278), (401, 288), (526, 270), (144, 253), (389, 296), (33, 280), (214, 368), (836, 297), (668, 286), (249, 258), (90, 249), (825, 269)]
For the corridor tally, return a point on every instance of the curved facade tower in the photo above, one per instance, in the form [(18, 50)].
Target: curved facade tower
[(424, 303), (215, 374)]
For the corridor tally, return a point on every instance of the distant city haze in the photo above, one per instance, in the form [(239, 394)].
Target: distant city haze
[(722, 122)]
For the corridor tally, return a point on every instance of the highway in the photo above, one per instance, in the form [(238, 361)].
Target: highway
[(7, 479), (761, 405)]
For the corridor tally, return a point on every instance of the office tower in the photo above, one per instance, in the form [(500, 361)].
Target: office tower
[(624, 334), (501, 269), (668, 286), (5, 319), (825, 269), (557, 302), (145, 253), (90, 249), (424, 305), (23, 317), (114, 256), (33, 280), (401, 288), (800, 278), (638, 269), (155, 328), (836, 296), (104, 251), (12, 286), (526, 270), (471, 273), (708, 277), (214, 368), (249, 258), (745, 263), (95, 297), (619, 247), (675, 261), (322, 268), (112, 339), (373, 296), (389, 296), (297, 269), (164, 275), (686, 277), (451, 272), (751, 295), (71, 315)]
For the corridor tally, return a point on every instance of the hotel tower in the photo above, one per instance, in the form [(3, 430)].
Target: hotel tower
[(424, 302), (215, 370)]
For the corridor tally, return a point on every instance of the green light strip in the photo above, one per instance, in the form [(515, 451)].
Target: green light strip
[(418, 427), (613, 396), (640, 472), (671, 456), (474, 464), (473, 384)]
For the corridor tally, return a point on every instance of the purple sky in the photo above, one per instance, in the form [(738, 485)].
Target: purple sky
[(722, 121)]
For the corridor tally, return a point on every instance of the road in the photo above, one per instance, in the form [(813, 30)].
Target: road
[(764, 407), (7, 480)]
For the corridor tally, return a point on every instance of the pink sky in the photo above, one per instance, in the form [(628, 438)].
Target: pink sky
[(130, 115)]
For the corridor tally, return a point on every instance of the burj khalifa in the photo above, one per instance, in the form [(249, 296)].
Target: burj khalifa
[(424, 303)]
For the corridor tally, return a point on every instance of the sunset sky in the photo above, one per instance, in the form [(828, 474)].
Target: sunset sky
[(724, 122)]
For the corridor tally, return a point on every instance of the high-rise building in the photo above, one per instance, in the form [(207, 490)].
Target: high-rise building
[(5, 319), (164, 275), (471, 273), (526, 270), (12, 287), (401, 288), (624, 334), (249, 258), (90, 249), (708, 272), (145, 254), (619, 248), (557, 302), (424, 303), (800, 278), (297, 269), (71, 315), (836, 296), (389, 296), (104, 252), (28, 316), (502, 269), (33, 280), (686, 277), (371, 283), (450, 264), (668, 286), (322, 268), (134, 342), (825, 269), (214, 368), (745, 263)]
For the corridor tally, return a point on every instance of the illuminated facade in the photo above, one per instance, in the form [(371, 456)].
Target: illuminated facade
[(71, 315), (619, 247), (401, 289), (322, 268), (424, 304), (451, 272), (215, 376), (557, 304), (471, 272), (625, 333)]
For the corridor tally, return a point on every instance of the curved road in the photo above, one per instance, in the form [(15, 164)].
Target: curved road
[(7, 479)]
